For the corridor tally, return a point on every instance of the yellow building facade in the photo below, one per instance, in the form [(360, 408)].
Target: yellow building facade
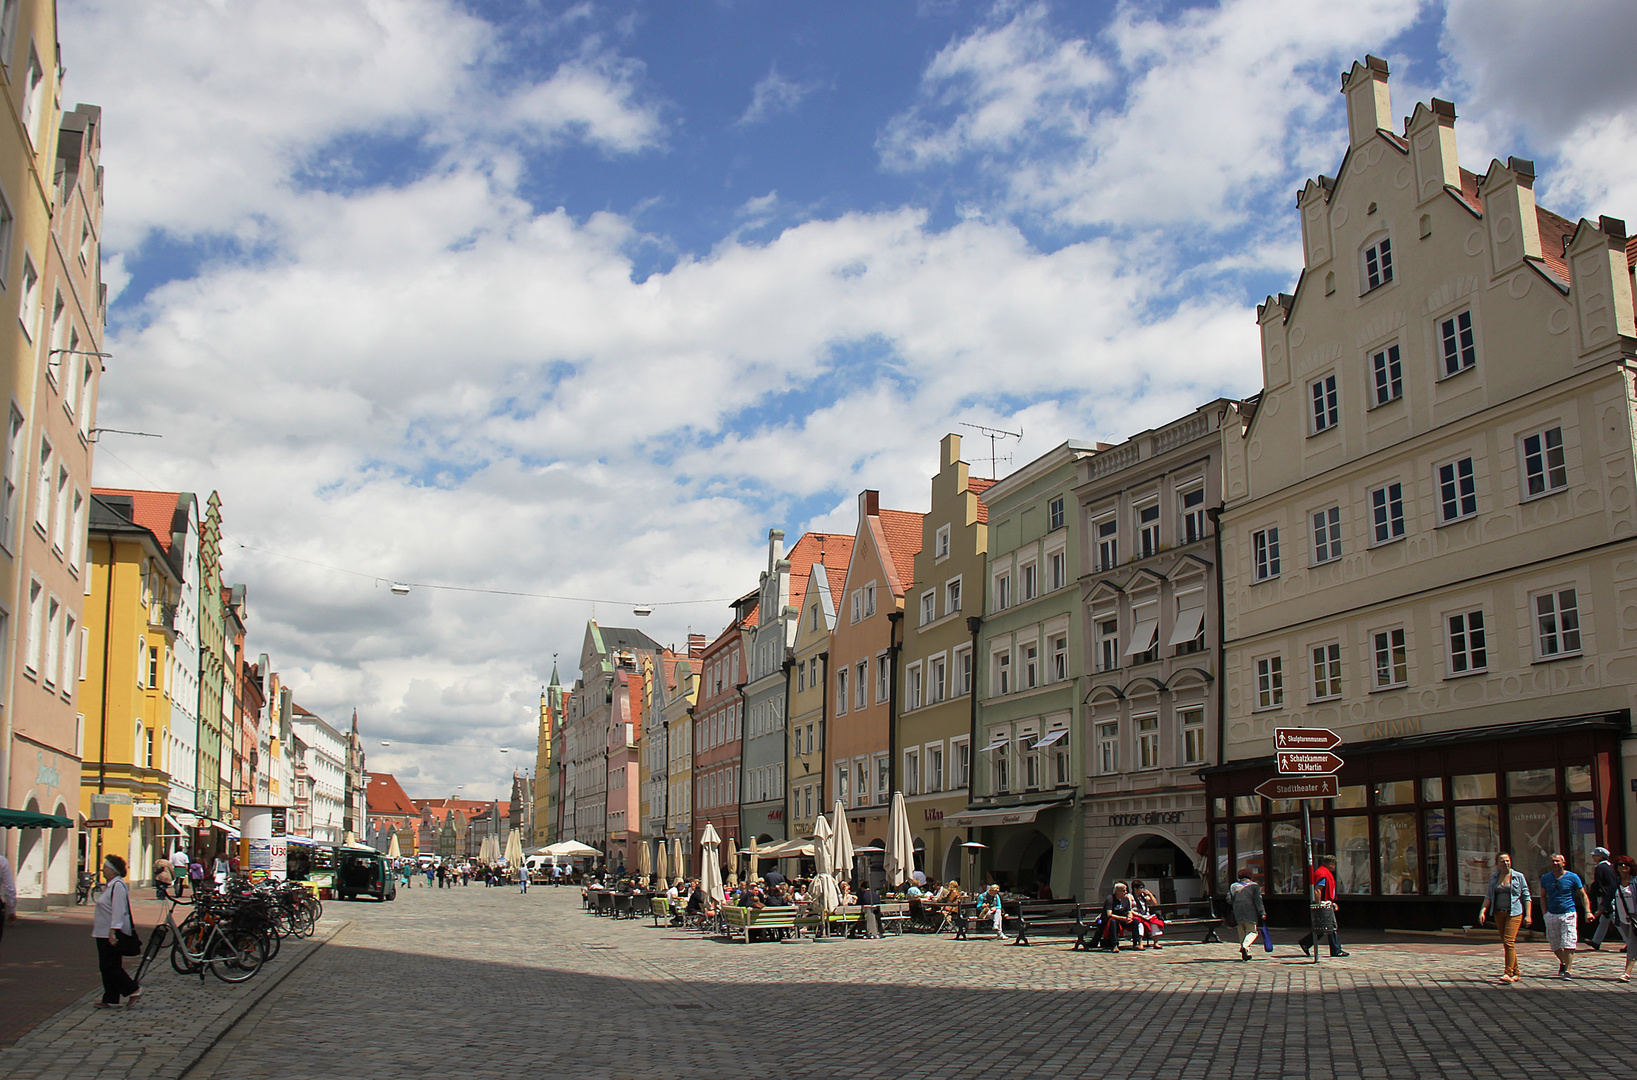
[(129, 614)]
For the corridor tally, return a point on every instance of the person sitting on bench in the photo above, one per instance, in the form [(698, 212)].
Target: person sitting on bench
[(1118, 921), (1145, 909)]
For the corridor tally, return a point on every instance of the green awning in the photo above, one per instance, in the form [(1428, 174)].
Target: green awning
[(29, 819)]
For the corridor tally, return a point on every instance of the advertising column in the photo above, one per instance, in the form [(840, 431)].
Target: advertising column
[(261, 842)]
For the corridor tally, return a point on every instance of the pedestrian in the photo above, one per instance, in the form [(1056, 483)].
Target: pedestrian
[(1563, 895), (428, 875), (523, 879), (1508, 889), (8, 896), (1324, 895), (196, 876), (1625, 909), (113, 914), (162, 877), (179, 870), (1249, 913), (1604, 882)]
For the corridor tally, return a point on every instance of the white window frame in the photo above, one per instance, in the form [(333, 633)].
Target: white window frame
[(1108, 747), (1057, 569), (36, 616), (869, 599), (858, 604), (883, 678), (1146, 517), (1029, 666), (960, 760), (1145, 630), (1028, 580), (1386, 375), (843, 673), (1466, 639), (861, 685), (941, 543), (934, 758), (11, 488), (1003, 590), (1324, 399), (1191, 519), (912, 771), (1548, 463), (1458, 486), (1325, 669), (912, 686), (1386, 526), (952, 595), (1389, 658), (28, 306), (965, 672), (1457, 343), (1059, 657), (1265, 553), (1376, 263), (929, 607), (1000, 670), (1270, 682), (1555, 615), (1106, 534), (1145, 728), (937, 679), (1187, 728), (1326, 535), (1107, 626), (1057, 514)]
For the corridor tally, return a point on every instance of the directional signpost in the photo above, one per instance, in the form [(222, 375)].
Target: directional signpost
[(1307, 770)]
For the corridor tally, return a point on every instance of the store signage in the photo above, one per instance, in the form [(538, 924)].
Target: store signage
[(775, 815), (1153, 817), (934, 815), (100, 823), (118, 797), (145, 809), (1299, 787), (1305, 738), (1302, 763)]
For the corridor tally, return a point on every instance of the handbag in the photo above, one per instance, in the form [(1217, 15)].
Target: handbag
[(128, 943), (1267, 939)]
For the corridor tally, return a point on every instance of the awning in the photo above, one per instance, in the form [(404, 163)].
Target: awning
[(1190, 614), (1000, 741), (1142, 638), (1055, 736), (33, 819), (1005, 815), (175, 821)]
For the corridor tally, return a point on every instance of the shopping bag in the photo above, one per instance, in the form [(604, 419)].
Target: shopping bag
[(1267, 939)]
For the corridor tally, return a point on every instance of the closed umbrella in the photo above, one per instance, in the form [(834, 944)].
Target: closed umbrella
[(730, 859), (900, 858), (393, 851), (676, 856), (514, 848), (710, 877), (750, 874), (661, 871), (841, 846), (644, 865), (823, 892)]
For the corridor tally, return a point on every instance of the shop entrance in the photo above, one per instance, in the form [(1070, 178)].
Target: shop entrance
[(1159, 862), (1024, 863)]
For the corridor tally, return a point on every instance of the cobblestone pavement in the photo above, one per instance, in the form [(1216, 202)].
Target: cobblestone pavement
[(477, 982)]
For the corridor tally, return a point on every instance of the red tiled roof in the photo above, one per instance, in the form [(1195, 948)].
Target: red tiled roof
[(387, 796), (153, 510), (1631, 252), (902, 531), (1554, 233), (808, 550), (977, 485)]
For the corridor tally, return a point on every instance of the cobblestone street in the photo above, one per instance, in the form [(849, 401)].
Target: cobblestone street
[(489, 983)]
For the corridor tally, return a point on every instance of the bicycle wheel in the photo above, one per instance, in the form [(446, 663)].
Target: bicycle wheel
[(234, 954), (304, 921), (192, 938)]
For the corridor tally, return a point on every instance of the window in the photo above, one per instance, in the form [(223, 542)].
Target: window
[(13, 481), (59, 521), (1557, 624), (7, 223), (1265, 544), (1457, 490), (1378, 263), (1326, 671), (1148, 530), (27, 311), (8, 30), (841, 691), (952, 596), (1148, 742), (76, 542), (934, 768), (1389, 375), (33, 97), (1029, 579), (912, 772), (1392, 659), (1108, 644), (912, 687), (1108, 747), (1460, 350), (963, 762), (1057, 569), (1467, 649), (1192, 723), (801, 675), (59, 326), (1060, 657), (937, 679), (42, 493), (1003, 591), (71, 642), (1387, 512), (88, 374), (1108, 544), (36, 612), (153, 667), (1543, 468), (1055, 513), (813, 622), (963, 665), (869, 599), (1001, 764), (1143, 647), (1003, 673), (1191, 525), (1270, 682), (1188, 629), (861, 685), (941, 543), (1326, 404), (883, 778), (929, 607), (1327, 535), (843, 772), (883, 678), (1031, 666), (1031, 760), (858, 604)]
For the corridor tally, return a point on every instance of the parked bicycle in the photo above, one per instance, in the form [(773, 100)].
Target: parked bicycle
[(210, 937)]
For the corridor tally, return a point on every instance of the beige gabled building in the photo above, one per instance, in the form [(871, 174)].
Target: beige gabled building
[(1429, 541)]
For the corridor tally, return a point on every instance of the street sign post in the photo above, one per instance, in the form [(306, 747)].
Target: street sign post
[(1305, 738), (1299, 787), (1306, 763)]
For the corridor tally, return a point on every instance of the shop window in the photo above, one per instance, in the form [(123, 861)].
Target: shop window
[(1288, 871), (1582, 838), (1397, 851), (1350, 797), (1474, 786), (1395, 793), (1577, 778), (1437, 853), (1353, 855), (1532, 782), (1534, 828), (1477, 839), (1432, 789), (1247, 805), (1248, 847)]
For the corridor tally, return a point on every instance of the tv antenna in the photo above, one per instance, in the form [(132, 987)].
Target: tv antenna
[(994, 435)]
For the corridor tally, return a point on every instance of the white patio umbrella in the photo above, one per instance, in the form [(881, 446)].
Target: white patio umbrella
[(750, 873), (730, 859), (710, 878), (841, 845), (393, 851), (644, 864), (676, 856), (900, 858), (572, 849), (514, 848), (823, 891), (661, 871)]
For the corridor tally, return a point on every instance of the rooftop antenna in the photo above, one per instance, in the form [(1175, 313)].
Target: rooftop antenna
[(995, 435)]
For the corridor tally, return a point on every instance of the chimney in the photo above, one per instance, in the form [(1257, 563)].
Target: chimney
[(1369, 106), (869, 503), (696, 646)]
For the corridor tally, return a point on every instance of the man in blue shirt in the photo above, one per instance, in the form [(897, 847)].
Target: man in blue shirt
[(1564, 896)]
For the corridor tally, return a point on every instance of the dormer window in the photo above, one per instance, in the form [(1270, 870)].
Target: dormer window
[(1378, 263)]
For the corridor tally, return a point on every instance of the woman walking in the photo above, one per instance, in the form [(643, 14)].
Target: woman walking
[(1624, 906), (1508, 898), (113, 915)]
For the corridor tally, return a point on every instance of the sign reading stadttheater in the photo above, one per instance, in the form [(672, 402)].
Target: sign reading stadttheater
[(1305, 738), (1299, 787), (1302, 763)]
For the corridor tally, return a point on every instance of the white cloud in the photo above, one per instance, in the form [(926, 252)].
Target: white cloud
[(772, 95)]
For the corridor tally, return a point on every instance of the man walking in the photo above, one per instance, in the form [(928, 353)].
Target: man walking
[(1564, 895), (1324, 892), (1245, 899), (1604, 883)]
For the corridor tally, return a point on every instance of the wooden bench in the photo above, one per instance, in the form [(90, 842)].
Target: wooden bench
[(741, 920), (1044, 917)]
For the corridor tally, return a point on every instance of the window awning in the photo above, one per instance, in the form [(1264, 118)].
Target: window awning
[(1190, 616), (1006, 815), (1055, 736), (1142, 638), (998, 742)]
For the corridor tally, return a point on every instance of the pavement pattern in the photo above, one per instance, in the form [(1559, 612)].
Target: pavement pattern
[(476, 982)]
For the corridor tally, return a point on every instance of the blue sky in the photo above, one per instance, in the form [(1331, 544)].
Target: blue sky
[(582, 298)]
